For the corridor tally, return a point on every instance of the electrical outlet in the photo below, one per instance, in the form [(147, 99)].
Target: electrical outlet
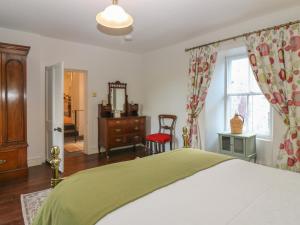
[(94, 94)]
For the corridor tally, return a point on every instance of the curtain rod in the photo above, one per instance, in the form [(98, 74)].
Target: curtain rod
[(242, 35)]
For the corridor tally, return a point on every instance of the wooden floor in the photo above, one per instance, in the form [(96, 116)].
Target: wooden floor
[(39, 179)]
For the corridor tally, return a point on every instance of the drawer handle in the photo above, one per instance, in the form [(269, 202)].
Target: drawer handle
[(136, 121), (118, 121), (2, 161), (136, 128), (118, 130), (118, 140)]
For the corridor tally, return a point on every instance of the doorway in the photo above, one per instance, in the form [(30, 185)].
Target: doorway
[(75, 112)]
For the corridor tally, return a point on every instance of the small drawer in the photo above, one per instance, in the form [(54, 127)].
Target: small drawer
[(134, 139), (116, 141), (136, 125), (137, 120), (136, 128), (117, 130), (8, 160), (115, 123), (133, 128), (137, 138)]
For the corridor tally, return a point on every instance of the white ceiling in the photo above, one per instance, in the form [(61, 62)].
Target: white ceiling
[(157, 22)]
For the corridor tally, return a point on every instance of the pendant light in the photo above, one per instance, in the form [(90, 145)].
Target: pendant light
[(114, 16)]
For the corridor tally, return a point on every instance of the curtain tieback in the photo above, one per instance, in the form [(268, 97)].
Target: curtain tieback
[(193, 115), (291, 123), (287, 121)]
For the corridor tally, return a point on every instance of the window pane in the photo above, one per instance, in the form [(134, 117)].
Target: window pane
[(259, 115), (237, 104), (246, 98), (253, 83), (238, 76)]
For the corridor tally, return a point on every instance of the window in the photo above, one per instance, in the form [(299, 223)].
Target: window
[(243, 96)]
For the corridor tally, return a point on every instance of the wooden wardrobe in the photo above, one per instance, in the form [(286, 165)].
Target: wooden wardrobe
[(13, 135)]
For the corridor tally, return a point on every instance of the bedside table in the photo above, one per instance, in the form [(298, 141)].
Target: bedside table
[(242, 146)]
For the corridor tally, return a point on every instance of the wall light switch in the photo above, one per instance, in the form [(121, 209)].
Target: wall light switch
[(94, 94)]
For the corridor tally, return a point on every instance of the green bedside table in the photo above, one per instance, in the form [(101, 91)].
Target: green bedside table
[(242, 146)]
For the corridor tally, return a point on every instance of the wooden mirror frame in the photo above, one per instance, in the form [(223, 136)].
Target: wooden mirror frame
[(118, 84)]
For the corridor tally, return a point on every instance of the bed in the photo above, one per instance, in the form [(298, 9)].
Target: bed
[(234, 192), (226, 192)]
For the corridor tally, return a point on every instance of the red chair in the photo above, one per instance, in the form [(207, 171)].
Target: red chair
[(159, 139)]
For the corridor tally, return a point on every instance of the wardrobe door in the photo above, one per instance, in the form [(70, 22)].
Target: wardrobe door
[(1, 105), (14, 74)]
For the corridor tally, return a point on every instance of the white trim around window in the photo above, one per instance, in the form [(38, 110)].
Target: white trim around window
[(247, 94)]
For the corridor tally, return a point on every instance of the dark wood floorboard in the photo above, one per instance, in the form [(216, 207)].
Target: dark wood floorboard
[(39, 179)]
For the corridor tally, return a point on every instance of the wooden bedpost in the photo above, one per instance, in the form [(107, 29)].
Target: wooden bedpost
[(185, 137), (55, 161)]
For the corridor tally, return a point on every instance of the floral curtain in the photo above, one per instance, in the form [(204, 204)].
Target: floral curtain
[(275, 59), (201, 68)]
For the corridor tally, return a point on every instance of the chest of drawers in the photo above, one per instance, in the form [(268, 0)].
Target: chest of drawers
[(121, 132)]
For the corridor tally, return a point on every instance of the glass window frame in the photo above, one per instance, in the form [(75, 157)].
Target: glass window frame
[(228, 60)]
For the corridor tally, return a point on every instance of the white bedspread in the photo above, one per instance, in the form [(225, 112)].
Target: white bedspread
[(232, 193)]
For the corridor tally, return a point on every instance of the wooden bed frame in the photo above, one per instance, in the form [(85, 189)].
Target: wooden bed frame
[(55, 160)]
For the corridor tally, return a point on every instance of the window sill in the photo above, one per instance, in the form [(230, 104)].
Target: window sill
[(264, 139)]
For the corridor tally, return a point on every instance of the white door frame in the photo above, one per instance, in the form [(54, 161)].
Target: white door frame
[(85, 72), (54, 131)]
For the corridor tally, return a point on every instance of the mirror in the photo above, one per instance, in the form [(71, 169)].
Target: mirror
[(117, 97)]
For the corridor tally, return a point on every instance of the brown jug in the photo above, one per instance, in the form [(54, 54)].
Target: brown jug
[(236, 124)]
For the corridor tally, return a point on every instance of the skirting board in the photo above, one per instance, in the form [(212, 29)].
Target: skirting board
[(35, 161), (92, 150)]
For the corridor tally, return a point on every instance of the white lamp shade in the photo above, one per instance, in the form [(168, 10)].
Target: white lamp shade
[(114, 16)]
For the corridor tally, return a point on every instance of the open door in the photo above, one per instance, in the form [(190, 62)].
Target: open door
[(54, 110)]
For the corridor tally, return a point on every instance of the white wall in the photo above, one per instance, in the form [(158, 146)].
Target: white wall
[(166, 79), (103, 65), (166, 91)]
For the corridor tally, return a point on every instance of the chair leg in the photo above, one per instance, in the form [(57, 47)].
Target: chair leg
[(148, 146), (171, 148), (156, 149), (159, 147), (164, 147), (151, 147)]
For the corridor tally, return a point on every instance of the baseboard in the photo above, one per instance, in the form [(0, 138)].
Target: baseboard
[(35, 161), (92, 150)]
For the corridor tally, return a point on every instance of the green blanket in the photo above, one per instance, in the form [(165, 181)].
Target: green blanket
[(86, 197)]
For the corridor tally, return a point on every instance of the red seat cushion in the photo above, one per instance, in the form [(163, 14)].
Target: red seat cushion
[(159, 137)]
